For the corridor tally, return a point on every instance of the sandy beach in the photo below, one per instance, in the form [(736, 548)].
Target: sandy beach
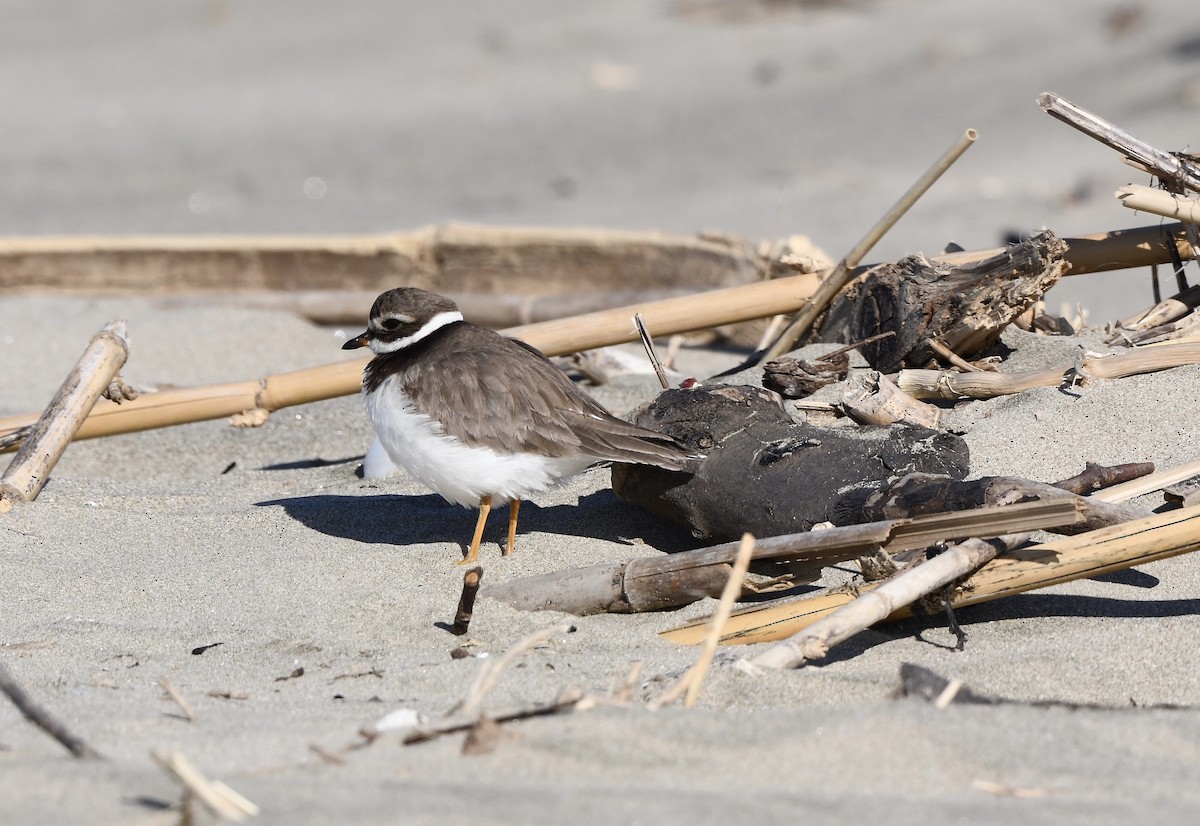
[(293, 604)]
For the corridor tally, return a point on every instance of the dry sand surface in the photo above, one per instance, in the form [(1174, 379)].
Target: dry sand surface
[(305, 116), (147, 546)]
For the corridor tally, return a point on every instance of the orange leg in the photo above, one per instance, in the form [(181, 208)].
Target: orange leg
[(485, 507), (514, 507)]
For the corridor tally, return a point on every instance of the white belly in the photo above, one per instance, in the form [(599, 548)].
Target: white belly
[(460, 473)]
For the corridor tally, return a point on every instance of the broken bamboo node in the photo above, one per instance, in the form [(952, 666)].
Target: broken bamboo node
[(58, 424), (1158, 202)]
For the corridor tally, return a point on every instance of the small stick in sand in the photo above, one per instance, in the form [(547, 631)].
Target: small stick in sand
[(946, 354), (466, 602), (569, 700), (178, 698), (690, 683), (53, 431), (490, 672), (221, 800), (648, 343), (1097, 477), (40, 717)]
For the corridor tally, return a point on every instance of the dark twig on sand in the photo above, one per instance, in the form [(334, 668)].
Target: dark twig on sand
[(466, 603), (40, 717)]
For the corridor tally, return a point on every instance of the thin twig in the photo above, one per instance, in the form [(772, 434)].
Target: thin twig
[(733, 587), (489, 674), (653, 356), (691, 681), (954, 358), (174, 694), (40, 717), (856, 345)]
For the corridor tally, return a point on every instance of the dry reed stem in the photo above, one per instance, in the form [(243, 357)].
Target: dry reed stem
[(178, 699), (953, 385), (221, 800), (41, 718), (691, 681), (489, 673), (844, 271)]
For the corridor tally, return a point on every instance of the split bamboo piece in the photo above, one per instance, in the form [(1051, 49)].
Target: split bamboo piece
[(54, 429), (1148, 199), (1089, 253), (1040, 566), (927, 384), (1164, 165), (844, 271)]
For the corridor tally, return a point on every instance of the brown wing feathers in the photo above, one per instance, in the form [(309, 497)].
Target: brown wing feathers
[(487, 398)]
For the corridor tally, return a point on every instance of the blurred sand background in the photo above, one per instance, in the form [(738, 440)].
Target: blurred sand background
[(759, 119)]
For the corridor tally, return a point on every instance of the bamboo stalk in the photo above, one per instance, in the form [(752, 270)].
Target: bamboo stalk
[(844, 271), (1147, 199), (1040, 566), (926, 384), (1089, 253), (62, 419)]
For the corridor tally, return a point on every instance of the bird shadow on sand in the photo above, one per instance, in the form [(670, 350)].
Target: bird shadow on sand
[(394, 519)]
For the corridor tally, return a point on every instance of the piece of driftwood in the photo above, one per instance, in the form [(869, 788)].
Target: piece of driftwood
[(41, 718), (844, 271), (764, 473), (964, 308), (446, 259), (1086, 555), (1166, 204), (1090, 253), (898, 592), (874, 399), (918, 494), (52, 432), (1185, 493), (494, 310), (672, 580), (1166, 311), (946, 384), (1169, 167), (1097, 477), (798, 378), (1148, 484)]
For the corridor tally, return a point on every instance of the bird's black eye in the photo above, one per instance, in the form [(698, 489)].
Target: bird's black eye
[(391, 323)]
